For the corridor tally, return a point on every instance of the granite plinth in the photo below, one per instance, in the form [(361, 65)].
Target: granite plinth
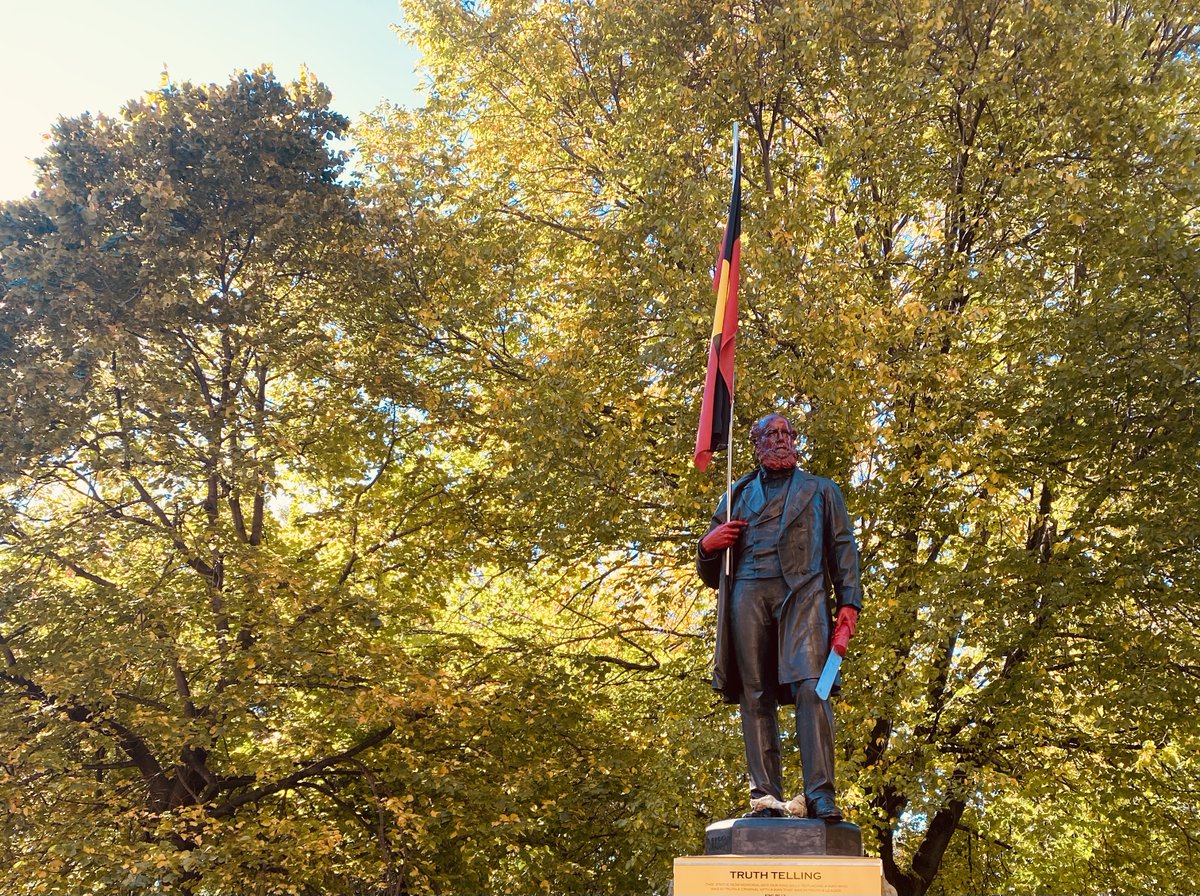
[(782, 837)]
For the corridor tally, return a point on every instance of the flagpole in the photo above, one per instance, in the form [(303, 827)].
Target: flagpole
[(729, 483), (732, 393), (716, 406)]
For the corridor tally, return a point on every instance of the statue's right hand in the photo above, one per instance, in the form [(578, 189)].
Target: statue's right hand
[(722, 536)]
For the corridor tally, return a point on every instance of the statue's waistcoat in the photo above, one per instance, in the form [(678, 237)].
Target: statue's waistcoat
[(759, 557)]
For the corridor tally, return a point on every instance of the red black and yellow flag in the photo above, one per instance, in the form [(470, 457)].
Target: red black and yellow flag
[(716, 410)]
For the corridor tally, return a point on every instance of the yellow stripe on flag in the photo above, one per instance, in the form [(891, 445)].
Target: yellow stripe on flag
[(722, 296)]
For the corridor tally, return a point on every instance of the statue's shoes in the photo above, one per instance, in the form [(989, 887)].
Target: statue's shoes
[(825, 809), (764, 813)]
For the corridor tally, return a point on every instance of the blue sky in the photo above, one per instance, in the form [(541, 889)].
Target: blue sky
[(65, 57)]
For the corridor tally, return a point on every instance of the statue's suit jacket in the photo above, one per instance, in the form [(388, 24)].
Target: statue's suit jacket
[(819, 560)]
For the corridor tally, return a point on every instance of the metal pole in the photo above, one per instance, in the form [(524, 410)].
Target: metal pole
[(732, 392)]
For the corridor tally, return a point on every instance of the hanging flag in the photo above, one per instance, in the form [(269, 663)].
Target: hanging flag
[(716, 410)]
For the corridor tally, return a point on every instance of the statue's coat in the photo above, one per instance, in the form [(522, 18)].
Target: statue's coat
[(818, 580)]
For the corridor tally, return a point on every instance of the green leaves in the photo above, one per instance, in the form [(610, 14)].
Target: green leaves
[(349, 528), (165, 634), (947, 246)]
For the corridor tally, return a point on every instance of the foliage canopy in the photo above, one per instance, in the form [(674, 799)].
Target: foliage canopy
[(348, 523)]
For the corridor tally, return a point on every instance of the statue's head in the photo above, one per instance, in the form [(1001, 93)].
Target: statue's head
[(774, 442)]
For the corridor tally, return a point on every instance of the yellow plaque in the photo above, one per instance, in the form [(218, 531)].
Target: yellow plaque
[(777, 876)]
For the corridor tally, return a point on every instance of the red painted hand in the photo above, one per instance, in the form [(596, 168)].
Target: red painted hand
[(843, 631)]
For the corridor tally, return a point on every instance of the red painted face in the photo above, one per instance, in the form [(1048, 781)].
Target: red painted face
[(774, 443)]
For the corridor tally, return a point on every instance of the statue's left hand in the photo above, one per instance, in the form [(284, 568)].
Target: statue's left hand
[(843, 631)]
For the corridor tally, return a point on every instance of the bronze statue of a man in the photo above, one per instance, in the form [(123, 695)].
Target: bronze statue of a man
[(793, 570)]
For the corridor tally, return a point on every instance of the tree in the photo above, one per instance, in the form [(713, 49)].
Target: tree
[(190, 616), (269, 624), (969, 238)]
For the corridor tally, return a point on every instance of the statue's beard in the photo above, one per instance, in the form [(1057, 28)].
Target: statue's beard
[(778, 458)]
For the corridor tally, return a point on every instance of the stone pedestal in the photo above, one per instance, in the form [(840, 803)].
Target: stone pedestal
[(782, 837), (779, 857)]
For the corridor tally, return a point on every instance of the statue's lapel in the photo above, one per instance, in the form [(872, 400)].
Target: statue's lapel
[(752, 499), (800, 494)]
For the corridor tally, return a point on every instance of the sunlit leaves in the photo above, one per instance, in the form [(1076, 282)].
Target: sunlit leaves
[(349, 530), (967, 242)]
